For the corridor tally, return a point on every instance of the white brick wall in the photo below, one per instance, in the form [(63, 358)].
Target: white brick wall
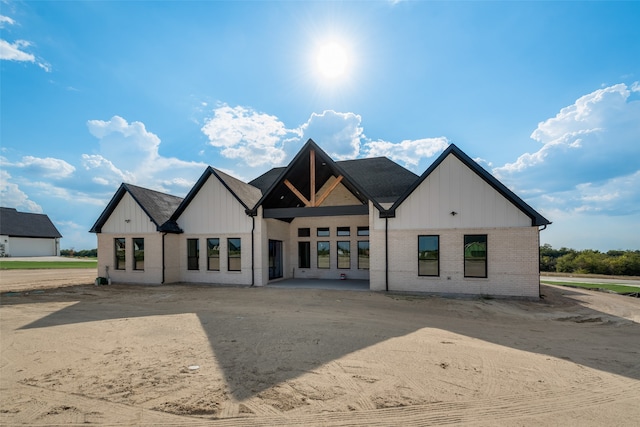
[(512, 262)]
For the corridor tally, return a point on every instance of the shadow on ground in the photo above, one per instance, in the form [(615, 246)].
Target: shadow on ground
[(286, 342)]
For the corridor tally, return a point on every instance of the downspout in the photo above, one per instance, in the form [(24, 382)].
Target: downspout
[(386, 254), (253, 272), (163, 266), (544, 227)]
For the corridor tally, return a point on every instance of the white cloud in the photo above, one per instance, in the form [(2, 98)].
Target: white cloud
[(47, 167), (588, 160), (129, 153), (339, 134), (14, 51), (409, 152), (6, 20), (12, 197), (243, 133), (260, 139)]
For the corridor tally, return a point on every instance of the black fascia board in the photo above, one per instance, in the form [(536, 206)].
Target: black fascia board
[(106, 213), (536, 218), (285, 213)]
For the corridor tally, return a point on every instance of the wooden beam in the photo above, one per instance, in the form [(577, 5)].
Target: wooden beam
[(297, 193), (312, 172), (328, 191)]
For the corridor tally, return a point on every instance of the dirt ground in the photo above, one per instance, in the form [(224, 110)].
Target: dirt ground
[(232, 356)]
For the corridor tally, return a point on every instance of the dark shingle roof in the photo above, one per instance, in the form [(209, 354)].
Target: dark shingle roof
[(381, 178), (158, 206), (247, 193), (264, 181), (23, 224)]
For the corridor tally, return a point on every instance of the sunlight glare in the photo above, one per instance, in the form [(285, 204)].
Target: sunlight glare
[(332, 60)]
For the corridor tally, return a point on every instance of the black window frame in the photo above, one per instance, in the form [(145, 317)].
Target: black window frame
[(437, 251), (343, 231), (363, 231), (318, 243), (338, 257), (467, 251), (120, 260), (231, 257), (211, 249), (193, 260), (304, 254), (320, 232), (304, 232), (137, 252)]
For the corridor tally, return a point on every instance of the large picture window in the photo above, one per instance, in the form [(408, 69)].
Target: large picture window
[(234, 254), (475, 255), (213, 254), (193, 254), (344, 254), (304, 254), (324, 255), (119, 245), (428, 255), (363, 255), (138, 254)]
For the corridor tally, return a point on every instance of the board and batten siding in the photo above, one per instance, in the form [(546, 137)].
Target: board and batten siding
[(214, 210), (128, 217), (453, 187)]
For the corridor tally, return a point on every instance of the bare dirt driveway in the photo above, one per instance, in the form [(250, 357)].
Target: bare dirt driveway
[(227, 356)]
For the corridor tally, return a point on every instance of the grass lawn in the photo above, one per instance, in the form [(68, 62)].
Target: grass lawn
[(31, 265), (619, 289)]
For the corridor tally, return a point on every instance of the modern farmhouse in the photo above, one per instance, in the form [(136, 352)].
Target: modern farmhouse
[(455, 229)]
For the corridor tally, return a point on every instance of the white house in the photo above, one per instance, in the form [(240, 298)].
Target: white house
[(455, 229), (24, 234)]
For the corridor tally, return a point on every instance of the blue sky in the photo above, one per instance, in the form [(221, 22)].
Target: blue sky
[(545, 95)]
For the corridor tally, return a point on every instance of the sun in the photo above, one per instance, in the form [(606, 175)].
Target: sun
[(332, 60)]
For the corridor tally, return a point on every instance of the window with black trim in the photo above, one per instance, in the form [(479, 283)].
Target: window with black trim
[(213, 254), (344, 231), (363, 255), (119, 247), (193, 254), (304, 232), (428, 255), (344, 254), (304, 254), (138, 254), (475, 255), (363, 231), (323, 255), (234, 253), (323, 232)]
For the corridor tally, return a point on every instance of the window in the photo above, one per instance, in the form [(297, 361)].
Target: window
[(428, 255), (363, 255), (344, 231), (119, 253), (138, 254), (475, 255), (193, 253), (234, 251), (213, 254), (344, 254), (304, 232), (363, 231), (324, 260), (304, 254), (323, 231)]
